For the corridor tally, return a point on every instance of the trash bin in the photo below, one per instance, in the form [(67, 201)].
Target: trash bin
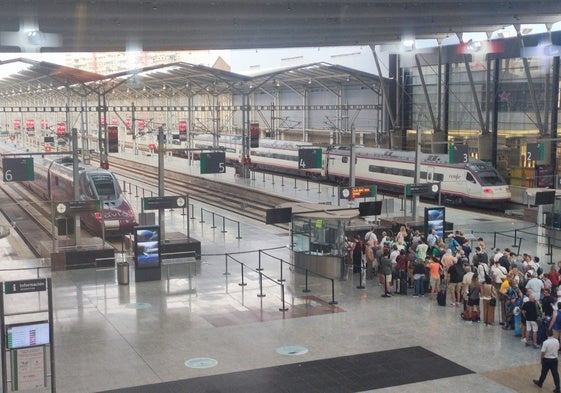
[(123, 273)]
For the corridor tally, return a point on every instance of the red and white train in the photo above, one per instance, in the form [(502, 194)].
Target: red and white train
[(54, 181), (471, 183)]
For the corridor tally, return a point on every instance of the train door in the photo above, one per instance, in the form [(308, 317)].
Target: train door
[(430, 174), (470, 182)]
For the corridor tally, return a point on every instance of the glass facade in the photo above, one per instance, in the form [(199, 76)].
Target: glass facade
[(511, 95)]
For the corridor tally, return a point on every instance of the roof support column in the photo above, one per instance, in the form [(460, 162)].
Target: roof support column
[(554, 109), (246, 108), (425, 91), (495, 115), (474, 94), (190, 123), (305, 115), (389, 108)]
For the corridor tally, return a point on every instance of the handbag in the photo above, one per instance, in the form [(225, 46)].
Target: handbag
[(493, 302)]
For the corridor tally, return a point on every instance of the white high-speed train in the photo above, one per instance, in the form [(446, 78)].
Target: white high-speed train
[(474, 182)]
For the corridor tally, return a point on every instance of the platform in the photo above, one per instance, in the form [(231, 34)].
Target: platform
[(206, 331)]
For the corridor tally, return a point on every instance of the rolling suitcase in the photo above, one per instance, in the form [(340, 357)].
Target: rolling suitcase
[(542, 330), (441, 297), (403, 284)]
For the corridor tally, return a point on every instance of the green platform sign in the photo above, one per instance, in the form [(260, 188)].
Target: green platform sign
[(213, 162), (309, 158), (18, 169)]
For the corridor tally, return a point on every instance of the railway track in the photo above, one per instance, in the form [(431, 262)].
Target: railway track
[(28, 215), (252, 203)]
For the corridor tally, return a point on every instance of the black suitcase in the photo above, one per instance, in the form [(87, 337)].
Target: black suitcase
[(441, 297), (542, 330), (403, 285)]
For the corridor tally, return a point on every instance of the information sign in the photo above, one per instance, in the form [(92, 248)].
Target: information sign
[(75, 208), (535, 151), (279, 215), (358, 192), (422, 189), (213, 162), (309, 158), (28, 365), (23, 286), (458, 154), (165, 202), (24, 335), (18, 169)]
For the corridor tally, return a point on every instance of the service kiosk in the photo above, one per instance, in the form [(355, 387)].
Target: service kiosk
[(318, 237)]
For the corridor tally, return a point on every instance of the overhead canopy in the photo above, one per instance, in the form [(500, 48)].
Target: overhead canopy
[(30, 77), (96, 25)]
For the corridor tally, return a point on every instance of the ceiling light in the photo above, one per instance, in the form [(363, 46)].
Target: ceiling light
[(408, 44)]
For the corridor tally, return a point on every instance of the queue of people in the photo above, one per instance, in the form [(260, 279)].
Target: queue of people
[(482, 284)]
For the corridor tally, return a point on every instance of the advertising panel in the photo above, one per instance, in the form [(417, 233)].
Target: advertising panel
[(147, 247), (435, 218)]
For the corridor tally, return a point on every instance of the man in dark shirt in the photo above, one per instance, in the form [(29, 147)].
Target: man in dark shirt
[(504, 261), (530, 312), (547, 303)]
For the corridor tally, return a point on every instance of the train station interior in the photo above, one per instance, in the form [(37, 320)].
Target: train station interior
[(250, 304)]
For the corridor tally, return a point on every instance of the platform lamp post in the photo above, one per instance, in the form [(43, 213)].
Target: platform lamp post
[(161, 187), (352, 159), (417, 179)]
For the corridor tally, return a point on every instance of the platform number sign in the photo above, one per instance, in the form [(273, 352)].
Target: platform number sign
[(535, 151), (458, 154), (309, 158), (213, 162), (18, 169)]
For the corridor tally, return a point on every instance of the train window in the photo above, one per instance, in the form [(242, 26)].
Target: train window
[(423, 175), (490, 178), (438, 177), (104, 186), (470, 178), (344, 159)]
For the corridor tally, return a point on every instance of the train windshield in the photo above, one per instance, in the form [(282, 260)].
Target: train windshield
[(490, 178), (104, 186), (486, 174)]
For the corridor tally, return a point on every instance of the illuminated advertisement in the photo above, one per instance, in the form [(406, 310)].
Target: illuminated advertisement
[(435, 217), (147, 247)]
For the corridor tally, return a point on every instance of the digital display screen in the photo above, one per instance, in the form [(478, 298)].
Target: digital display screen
[(24, 335), (435, 218), (370, 208), (147, 247), (279, 215)]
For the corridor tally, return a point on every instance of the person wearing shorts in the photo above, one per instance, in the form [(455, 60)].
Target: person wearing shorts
[(530, 312), (434, 269)]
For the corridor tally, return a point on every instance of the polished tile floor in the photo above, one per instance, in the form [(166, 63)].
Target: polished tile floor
[(204, 332)]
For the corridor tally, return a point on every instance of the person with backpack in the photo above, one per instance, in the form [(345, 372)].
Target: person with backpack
[(456, 274), (419, 278), (472, 311)]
